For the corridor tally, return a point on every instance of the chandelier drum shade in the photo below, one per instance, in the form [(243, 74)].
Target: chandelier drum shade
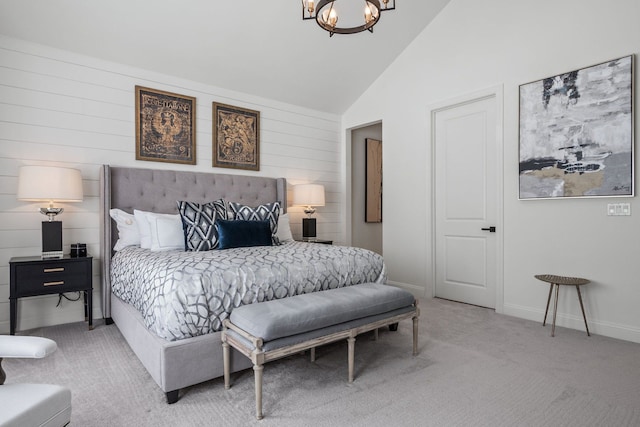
[(354, 16)]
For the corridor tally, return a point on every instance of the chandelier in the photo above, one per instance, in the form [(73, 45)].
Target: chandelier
[(355, 19)]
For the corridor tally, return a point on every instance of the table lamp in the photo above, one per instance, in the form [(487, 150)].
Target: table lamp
[(308, 195), (49, 183)]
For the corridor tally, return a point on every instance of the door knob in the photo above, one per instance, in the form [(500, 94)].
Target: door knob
[(491, 229)]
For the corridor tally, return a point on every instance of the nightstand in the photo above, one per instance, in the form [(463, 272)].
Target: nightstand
[(31, 276), (325, 242)]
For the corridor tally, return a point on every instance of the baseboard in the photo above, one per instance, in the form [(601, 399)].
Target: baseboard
[(417, 291), (608, 329)]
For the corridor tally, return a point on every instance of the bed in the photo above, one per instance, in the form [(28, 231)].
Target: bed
[(174, 334)]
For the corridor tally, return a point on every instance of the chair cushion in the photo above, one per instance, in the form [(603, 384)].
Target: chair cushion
[(303, 313), (35, 405), (18, 346)]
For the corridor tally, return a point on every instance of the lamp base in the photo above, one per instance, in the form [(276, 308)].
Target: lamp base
[(309, 229), (52, 255), (51, 212), (52, 239)]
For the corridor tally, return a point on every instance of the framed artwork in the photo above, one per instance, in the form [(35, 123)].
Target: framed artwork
[(373, 181), (576, 133), (236, 137), (165, 126)]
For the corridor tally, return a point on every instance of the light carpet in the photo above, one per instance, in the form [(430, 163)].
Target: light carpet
[(474, 368)]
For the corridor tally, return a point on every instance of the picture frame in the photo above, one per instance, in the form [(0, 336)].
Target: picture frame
[(236, 137), (373, 181), (576, 133), (165, 126)]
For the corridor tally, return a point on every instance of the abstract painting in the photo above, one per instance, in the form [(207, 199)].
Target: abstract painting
[(576, 133), (165, 126), (236, 137)]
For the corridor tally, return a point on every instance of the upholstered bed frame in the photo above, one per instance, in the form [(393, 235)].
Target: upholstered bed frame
[(172, 364)]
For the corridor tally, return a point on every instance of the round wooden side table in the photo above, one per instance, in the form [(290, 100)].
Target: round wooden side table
[(557, 281)]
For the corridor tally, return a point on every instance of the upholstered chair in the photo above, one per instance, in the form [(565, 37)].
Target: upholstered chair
[(26, 405)]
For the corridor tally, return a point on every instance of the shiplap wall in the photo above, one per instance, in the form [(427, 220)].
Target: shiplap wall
[(60, 108)]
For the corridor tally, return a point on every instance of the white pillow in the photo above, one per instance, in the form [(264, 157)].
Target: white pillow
[(284, 229), (143, 228), (164, 231), (128, 234)]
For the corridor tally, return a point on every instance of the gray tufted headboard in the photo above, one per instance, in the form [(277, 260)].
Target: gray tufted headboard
[(158, 191)]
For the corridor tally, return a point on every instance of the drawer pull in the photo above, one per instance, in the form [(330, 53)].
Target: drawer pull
[(53, 270), (61, 282)]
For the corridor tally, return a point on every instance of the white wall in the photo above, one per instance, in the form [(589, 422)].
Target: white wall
[(474, 45), (59, 108)]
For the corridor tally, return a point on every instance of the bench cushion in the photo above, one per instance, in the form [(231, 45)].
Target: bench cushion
[(317, 333), (303, 313)]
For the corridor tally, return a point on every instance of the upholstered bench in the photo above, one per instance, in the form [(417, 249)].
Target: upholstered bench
[(271, 330)]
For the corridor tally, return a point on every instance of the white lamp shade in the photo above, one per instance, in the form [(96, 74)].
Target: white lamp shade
[(308, 195), (49, 183)]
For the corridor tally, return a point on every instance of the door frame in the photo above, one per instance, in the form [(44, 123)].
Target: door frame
[(348, 182), (495, 92)]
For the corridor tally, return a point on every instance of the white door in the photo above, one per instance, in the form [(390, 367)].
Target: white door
[(465, 201)]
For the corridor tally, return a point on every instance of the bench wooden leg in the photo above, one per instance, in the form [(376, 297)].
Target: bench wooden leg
[(415, 336), (225, 363), (313, 354), (257, 373), (375, 334), (351, 341)]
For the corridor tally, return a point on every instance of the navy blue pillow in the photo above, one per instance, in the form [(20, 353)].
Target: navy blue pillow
[(242, 233)]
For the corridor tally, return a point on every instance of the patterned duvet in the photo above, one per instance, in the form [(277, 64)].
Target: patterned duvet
[(185, 294)]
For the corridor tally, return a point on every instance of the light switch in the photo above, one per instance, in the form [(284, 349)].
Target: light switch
[(619, 209)]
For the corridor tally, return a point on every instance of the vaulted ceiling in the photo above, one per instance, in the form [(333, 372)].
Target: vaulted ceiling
[(263, 48)]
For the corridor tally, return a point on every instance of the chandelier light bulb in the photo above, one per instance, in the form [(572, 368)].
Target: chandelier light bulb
[(333, 17), (330, 16), (370, 13)]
